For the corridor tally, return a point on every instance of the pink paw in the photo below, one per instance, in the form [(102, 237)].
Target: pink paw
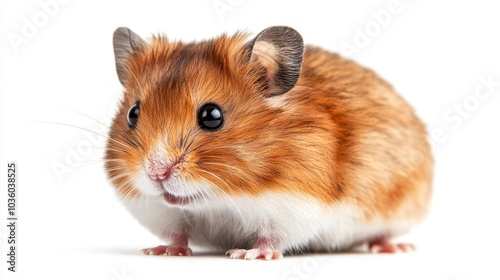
[(384, 246), (168, 251), (254, 254)]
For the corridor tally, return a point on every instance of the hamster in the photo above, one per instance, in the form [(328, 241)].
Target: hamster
[(261, 146)]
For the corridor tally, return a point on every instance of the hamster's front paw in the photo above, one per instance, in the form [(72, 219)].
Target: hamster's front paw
[(385, 246), (254, 254), (263, 249), (171, 250)]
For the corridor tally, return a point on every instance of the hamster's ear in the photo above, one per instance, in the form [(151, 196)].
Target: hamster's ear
[(279, 49), (125, 42)]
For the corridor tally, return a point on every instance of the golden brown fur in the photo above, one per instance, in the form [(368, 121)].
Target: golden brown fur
[(341, 133)]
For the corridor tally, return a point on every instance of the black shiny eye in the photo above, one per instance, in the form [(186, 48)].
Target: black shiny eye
[(210, 117), (133, 115)]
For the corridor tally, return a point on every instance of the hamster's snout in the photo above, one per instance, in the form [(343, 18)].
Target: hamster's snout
[(168, 183), (158, 171)]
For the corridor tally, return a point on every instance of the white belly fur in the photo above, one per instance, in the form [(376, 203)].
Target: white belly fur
[(299, 222)]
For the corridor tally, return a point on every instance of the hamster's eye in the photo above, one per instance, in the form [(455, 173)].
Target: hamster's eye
[(133, 115), (210, 117)]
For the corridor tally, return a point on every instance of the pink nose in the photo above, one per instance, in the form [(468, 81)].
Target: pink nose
[(159, 172)]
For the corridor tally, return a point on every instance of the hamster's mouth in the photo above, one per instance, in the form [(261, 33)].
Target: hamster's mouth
[(178, 200)]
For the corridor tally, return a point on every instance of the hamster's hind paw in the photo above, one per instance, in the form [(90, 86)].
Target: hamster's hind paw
[(168, 251), (385, 246), (254, 254)]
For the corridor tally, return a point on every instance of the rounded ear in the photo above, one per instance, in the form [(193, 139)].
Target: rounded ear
[(280, 50), (125, 42)]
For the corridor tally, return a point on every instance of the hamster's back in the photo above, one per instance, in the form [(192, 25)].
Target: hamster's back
[(383, 158)]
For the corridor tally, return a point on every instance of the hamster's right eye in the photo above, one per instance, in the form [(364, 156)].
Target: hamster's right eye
[(133, 115)]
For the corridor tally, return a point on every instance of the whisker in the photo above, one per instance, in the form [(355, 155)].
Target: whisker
[(128, 194), (113, 160), (187, 147), (221, 191), (197, 149), (205, 191), (120, 168), (75, 148), (95, 161), (86, 129), (115, 150), (82, 114), (138, 135), (219, 164), (70, 125), (117, 176), (65, 150), (219, 205)]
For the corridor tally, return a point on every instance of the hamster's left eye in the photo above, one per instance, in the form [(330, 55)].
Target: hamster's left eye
[(133, 115), (210, 117)]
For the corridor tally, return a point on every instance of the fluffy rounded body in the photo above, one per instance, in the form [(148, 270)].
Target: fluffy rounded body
[(338, 160)]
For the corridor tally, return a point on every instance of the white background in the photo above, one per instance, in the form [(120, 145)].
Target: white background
[(62, 71)]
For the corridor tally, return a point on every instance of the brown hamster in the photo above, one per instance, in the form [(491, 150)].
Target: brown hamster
[(263, 146)]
